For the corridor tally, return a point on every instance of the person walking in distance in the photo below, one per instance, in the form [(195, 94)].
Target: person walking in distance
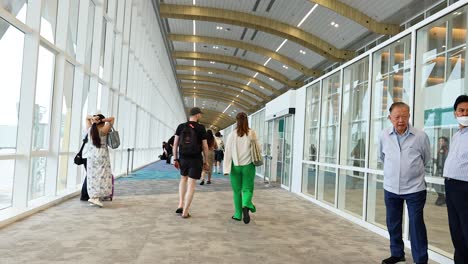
[(404, 151), (456, 183), (219, 153), (189, 142), (238, 163), (212, 146)]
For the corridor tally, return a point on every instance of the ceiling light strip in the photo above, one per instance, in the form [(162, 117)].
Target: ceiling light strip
[(226, 108), (307, 15)]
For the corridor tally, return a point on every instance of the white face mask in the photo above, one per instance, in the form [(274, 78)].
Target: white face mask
[(463, 120)]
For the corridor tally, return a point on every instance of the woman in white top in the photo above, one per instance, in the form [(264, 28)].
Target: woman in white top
[(238, 163), (99, 168), (219, 153)]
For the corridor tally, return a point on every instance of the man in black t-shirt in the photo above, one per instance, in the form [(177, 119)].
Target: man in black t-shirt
[(189, 142)]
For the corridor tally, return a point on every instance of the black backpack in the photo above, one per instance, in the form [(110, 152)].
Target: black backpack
[(189, 143)]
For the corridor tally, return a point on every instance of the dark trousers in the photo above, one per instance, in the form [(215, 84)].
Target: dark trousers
[(418, 235), (84, 188), (456, 194)]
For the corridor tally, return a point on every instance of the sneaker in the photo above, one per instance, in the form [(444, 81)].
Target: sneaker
[(246, 218), (393, 260), (208, 182), (95, 201), (202, 182)]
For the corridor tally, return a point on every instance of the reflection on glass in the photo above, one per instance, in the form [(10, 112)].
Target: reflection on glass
[(89, 38), (43, 101), (356, 101), (287, 150), (73, 26), (351, 191), (62, 173), (37, 178), (376, 211), (11, 52), (330, 119), (15, 7), (49, 19), (436, 219), (391, 83), (326, 184), (308, 179), (66, 107), (6, 182), (312, 122)]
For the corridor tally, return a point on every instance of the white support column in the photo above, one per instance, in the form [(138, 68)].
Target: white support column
[(61, 29), (26, 110), (82, 31)]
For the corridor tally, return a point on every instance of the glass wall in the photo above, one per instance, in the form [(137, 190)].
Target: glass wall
[(66, 75), (258, 124), (440, 79), (347, 174)]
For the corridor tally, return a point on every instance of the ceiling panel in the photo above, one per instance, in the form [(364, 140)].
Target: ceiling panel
[(292, 51), (289, 71), (203, 64), (379, 9), (235, 89)]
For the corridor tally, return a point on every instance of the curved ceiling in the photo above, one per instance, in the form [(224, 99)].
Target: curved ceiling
[(234, 56)]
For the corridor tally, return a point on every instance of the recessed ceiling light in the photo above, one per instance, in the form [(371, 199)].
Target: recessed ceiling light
[(302, 52), (271, 79), (237, 96), (194, 87), (332, 23), (212, 62), (219, 28), (336, 25), (286, 67), (262, 87), (210, 72), (215, 47)]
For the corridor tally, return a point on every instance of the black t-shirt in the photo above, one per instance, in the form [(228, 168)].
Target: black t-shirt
[(200, 130)]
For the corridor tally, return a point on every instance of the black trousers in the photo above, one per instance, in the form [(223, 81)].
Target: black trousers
[(456, 195), (84, 188)]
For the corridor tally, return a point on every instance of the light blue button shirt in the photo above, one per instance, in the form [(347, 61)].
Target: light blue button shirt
[(456, 164), (404, 160)]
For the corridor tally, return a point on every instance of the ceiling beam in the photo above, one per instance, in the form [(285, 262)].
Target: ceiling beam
[(249, 47), (201, 90), (246, 106), (188, 55), (223, 81), (229, 73), (265, 24), (358, 17), (228, 89), (224, 95)]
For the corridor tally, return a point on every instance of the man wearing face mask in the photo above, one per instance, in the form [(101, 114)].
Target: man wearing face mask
[(404, 151), (456, 183)]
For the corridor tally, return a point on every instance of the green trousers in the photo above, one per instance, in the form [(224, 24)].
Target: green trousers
[(242, 182)]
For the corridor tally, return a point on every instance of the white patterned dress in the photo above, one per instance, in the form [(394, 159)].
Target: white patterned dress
[(99, 169)]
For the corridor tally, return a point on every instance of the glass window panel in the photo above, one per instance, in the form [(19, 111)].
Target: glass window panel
[(376, 211), (311, 129), (326, 184), (391, 83), (49, 19), (356, 102), (436, 219), (309, 173), (15, 7), (43, 101), (351, 191), (73, 26), (89, 37), (84, 103), (11, 52), (62, 173), (6, 182), (330, 119), (37, 177), (99, 98), (103, 47), (66, 107)]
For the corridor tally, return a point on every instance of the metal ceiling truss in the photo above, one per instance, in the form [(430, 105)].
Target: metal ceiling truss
[(268, 25), (358, 17), (187, 55), (227, 99), (218, 88), (249, 47), (229, 73), (225, 82)]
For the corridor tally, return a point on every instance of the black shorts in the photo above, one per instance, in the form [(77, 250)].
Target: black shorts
[(191, 167), (219, 155)]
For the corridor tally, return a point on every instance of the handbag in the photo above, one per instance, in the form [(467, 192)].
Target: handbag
[(113, 138), (78, 158), (256, 154)]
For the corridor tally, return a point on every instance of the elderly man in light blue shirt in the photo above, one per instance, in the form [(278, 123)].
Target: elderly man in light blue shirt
[(404, 151), (456, 183)]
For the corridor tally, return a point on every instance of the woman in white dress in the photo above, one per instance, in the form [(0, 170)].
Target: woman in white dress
[(99, 169)]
